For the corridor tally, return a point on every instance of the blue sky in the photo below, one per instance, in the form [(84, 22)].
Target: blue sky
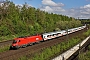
[(68, 4), (72, 8)]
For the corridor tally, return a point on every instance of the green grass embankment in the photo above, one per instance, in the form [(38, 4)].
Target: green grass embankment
[(4, 48), (85, 55)]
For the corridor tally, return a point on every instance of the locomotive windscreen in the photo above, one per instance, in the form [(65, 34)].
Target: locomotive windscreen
[(14, 41)]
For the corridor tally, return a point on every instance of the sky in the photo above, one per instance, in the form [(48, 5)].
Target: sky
[(72, 8)]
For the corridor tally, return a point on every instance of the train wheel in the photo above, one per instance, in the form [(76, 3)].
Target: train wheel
[(24, 46), (37, 42), (17, 47), (10, 48), (31, 44)]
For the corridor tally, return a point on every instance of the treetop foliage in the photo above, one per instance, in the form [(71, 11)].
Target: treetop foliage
[(27, 20)]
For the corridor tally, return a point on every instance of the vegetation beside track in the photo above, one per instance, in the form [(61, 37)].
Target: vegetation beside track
[(7, 38), (4, 48), (85, 55), (48, 53)]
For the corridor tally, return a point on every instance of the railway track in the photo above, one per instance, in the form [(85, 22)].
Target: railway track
[(15, 54), (4, 43)]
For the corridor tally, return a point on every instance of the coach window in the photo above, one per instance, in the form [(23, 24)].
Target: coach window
[(44, 36), (48, 36), (59, 33), (64, 32), (68, 31)]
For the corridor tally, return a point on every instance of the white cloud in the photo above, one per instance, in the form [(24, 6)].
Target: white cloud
[(85, 10), (51, 3), (51, 6), (58, 9), (47, 8), (86, 6), (82, 12)]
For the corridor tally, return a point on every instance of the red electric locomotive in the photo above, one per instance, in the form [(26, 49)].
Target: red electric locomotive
[(24, 41)]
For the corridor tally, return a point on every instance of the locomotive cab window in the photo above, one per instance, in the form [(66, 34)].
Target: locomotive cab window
[(19, 40), (14, 41)]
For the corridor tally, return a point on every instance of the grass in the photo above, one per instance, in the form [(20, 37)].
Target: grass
[(8, 37), (23, 58), (85, 56), (4, 48)]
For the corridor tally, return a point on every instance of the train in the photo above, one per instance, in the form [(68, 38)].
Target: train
[(30, 40)]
